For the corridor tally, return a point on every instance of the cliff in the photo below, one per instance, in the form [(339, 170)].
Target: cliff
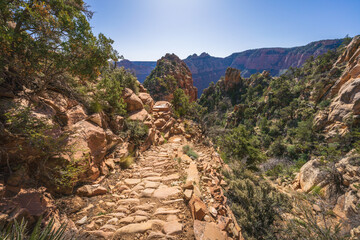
[(169, 74), (206, 69)]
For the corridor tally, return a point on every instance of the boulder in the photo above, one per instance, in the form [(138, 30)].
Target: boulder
[(140, 115), (159, 123), (75, 115), (146, 99), (133, 102), (29, 204), (88, 138), (311, 174), (162, 106), (96, 118), (116, 124)]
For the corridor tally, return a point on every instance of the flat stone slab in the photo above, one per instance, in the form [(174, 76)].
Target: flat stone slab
[(147, 192), (137, 228), (173, 228), (151, 174), (132, 181), (133, 219), (171, 177), (164, 211), (153, 179), (152, 184), (108, 227), (165, 192), (145, 207)]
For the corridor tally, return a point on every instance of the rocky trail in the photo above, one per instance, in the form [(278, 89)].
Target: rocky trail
[(158, 197)]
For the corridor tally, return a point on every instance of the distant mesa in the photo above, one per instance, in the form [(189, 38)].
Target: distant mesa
[(206, 69)]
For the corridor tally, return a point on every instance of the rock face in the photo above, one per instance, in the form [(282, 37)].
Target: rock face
[(344, 93), (338, 187), (170, 73), (206, 69)]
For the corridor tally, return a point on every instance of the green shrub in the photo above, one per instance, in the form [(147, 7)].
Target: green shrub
[(136, 131), (256, 205), (126, 162), (276, 171), (180, 103), (325, 103), (190, 152), (238, 144), (108, 94), (304, 223), (316, 190)]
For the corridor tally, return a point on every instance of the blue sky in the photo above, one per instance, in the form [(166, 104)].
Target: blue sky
[(147, 29)]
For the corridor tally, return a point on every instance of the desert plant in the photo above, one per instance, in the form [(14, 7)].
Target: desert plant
[(305, 223), (126, 162), (18, 231), (136, 131), (190, 152), (180, 103), (256, 205)]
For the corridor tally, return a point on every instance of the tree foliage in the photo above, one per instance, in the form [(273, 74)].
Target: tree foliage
[(40, 41)]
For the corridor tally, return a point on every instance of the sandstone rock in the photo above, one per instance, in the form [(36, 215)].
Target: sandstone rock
[(108, 227), (75, 115), (173, 71), (116, 124), (96, 118), (159, 123), (90, 191), (163, 106), (173, 228), (208, 231), (99, 233), (110, 163), (140, 115), (147, 192), (193, 174), (187, 194), (198, 208), (311, 175), (137, 227), (232, 78), (165, 211), (152, 184), (132, 181), (165, 192), (82, 221), (89, 138), (133, 102), (146, 99), (155, 235), (29, 204)]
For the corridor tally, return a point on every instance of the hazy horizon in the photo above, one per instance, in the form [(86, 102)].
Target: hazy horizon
[(145, 30)]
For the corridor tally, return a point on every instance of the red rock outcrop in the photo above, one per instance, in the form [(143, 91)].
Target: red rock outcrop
[(169, 74)]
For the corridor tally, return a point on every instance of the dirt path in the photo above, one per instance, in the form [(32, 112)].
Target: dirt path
[(165, 194), (143, 202)]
